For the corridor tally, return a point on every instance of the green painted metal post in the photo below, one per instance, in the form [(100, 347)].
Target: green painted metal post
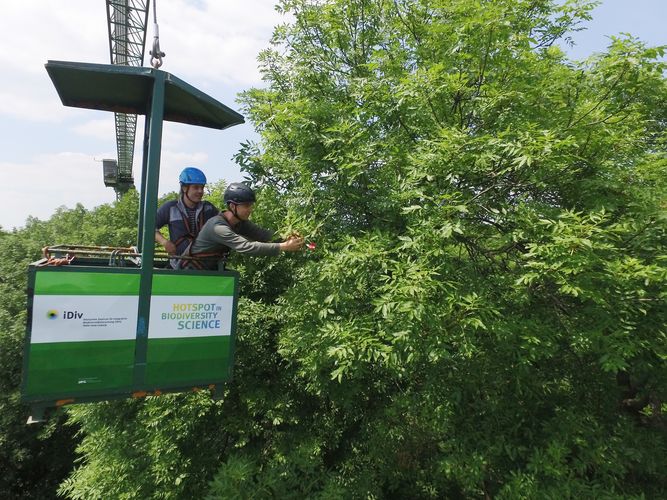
[(149, 191), (144, 170)]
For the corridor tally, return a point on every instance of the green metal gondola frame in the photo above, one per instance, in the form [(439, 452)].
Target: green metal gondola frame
[(160, 96)]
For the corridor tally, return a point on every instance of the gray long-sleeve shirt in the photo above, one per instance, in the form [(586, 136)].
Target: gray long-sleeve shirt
[(245, 237)]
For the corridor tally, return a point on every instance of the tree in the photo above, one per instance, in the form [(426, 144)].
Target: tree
[(484, 313), (36, 458)]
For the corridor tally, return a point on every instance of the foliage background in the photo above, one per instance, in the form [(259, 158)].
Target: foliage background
[(484, 315)]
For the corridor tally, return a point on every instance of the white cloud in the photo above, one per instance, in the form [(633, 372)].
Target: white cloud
[(19, 105), (214, 41), (31, 33), (99, 129), (37, 30), (56, 179), (105, 129), (216, 38), (172, 163), (173, 135), (219, 41)]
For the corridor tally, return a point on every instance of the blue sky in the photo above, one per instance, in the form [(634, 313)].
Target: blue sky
[(51, 154)]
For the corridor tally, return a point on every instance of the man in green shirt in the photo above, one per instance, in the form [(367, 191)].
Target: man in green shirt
[(231, 230)]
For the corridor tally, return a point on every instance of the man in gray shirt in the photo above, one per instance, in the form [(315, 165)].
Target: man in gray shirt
[(232, 230)]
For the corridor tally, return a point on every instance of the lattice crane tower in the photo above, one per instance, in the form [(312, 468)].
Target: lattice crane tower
[(126, 21)]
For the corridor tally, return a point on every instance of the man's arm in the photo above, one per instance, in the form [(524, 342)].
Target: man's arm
[(162, 219), (239, 243), (257, 233), (167, 244), (254, 232)]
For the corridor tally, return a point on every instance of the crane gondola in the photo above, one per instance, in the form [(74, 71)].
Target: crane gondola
[(108, 324)]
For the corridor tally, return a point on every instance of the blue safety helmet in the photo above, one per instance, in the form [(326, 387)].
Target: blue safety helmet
[(192, 175)]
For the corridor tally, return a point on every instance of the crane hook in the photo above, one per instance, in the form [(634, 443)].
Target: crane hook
[(156, 53)]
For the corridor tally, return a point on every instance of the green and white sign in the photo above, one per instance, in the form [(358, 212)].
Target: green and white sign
[(84, 327), (81, 318), (190, 327)]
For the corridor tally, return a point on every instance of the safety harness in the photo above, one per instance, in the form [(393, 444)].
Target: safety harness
[(199, 259), (190, 232)]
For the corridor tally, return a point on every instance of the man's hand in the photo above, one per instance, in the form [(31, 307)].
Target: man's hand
[(293, 244), (167, 244), (170, 247)]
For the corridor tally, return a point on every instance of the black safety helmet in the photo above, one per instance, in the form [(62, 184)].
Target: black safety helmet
[(238, 193)]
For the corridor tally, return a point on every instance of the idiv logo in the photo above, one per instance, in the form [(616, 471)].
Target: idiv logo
[(53, 314), (72, 315)]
